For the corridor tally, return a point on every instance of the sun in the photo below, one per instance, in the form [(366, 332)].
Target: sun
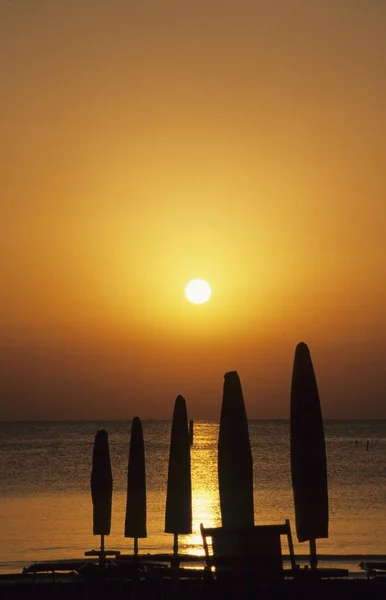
[(198, 291)]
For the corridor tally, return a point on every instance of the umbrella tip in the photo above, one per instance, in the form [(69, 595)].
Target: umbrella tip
[(136, 424), (302, 347), (180, 402), (232, 381), (231, 375), (180, 406)]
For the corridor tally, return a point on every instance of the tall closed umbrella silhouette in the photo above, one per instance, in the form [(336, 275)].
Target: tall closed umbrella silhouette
[(135, 521), (308, 454), (235, 465), (101, 489), (178, 514)]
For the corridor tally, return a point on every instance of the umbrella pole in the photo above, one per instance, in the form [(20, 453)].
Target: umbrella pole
[(313, 557), (175, 551), (135, 546), (102, 553)]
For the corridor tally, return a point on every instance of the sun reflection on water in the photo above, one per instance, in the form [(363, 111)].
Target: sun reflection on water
[(205, 496)]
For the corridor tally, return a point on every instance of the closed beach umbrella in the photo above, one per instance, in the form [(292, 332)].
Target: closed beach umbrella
[(235, 465), (101, 486), (308, 454), (178, 514), (135, 521)]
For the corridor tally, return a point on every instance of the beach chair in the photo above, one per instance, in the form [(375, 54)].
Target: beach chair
[(374, 569), (246, 561)]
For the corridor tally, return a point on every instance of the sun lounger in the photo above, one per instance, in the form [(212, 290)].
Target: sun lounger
[(106, 553), (54, 568), (373, 568)]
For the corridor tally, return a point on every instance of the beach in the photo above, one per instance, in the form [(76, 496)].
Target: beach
[(195, 588)]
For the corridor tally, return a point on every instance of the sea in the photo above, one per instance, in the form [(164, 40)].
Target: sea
[(45, 499)]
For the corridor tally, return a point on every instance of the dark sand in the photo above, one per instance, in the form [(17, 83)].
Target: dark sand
[(156, 586)]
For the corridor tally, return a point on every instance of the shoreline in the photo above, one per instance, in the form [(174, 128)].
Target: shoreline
[(65, 579), (194, 561)]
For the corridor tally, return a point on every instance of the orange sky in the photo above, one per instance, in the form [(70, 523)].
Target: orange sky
[(148, 143)]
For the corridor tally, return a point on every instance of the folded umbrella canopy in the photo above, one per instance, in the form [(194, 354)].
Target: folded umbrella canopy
[(101, 487), (235, 465), (178, 514), (308, 454), (135, 521)]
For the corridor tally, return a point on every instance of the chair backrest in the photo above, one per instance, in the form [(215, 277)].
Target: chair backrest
[(255, 549)]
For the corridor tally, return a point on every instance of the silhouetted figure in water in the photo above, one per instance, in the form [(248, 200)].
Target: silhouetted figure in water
[(367, 445), (356, 442)]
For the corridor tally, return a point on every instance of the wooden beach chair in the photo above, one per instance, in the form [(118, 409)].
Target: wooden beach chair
[(246, 560)]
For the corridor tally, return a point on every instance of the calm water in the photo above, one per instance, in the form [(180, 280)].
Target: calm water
[(45, 503)]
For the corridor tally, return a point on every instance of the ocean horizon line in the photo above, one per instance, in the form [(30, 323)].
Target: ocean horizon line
[(166, 420)]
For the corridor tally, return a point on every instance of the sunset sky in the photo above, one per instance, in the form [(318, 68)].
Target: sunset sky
[(150, 142)]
